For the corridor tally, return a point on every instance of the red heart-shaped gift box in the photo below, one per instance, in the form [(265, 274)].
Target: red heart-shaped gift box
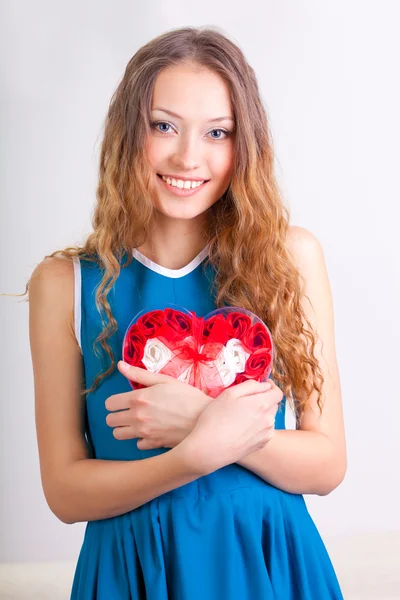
[(225, 347)]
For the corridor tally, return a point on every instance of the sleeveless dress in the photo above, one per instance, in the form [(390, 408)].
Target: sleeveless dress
[(228, 535)]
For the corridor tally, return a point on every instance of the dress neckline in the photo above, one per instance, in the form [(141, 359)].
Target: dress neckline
[(165, 271)]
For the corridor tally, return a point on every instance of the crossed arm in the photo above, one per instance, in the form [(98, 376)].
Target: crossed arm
[(311, 459)]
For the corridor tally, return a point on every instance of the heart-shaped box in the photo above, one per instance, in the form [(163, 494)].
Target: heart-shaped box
[(225, 347)]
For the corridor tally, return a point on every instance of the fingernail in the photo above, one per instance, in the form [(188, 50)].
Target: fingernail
[(123, 365)]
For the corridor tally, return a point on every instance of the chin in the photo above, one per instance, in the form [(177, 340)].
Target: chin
[(181, 212), (183, 208)]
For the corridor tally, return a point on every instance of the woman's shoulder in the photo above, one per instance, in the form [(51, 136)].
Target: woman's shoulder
[(304, 247), (53, 270), (51, 287), (300, 239)]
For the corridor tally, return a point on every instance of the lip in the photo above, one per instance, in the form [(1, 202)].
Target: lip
[(182, 192), (183, 178)]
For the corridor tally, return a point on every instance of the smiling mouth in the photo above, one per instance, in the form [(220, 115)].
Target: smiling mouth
[(181, 191), (176, 178)]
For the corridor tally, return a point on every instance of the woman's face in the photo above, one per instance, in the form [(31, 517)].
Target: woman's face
[(194, 143)]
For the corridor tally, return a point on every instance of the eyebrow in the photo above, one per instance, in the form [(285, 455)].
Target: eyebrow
[(179, 117)]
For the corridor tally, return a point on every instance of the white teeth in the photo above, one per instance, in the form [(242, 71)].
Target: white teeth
[(179, 183)]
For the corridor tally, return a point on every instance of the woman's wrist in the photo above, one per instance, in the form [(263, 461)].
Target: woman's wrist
[(193, 456), (204, 401)]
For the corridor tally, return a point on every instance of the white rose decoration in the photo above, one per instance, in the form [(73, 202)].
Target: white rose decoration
[(225, 370), (156, 355), (226, 373), (235, 355)]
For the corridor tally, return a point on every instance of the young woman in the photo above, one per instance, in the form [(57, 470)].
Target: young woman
[(186, 496)]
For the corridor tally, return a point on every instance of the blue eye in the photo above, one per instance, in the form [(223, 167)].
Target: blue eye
[(155, 125), (227, 133)]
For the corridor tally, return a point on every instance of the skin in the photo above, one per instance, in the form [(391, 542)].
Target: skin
[(166, 411)]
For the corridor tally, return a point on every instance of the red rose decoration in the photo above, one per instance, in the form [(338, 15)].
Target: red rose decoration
[(239, 322), (220, 324), (226, 347), (134, 346), (179, 322), (257, 337), (151, 323), (257, 364)]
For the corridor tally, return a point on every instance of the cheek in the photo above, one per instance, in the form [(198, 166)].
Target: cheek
[(222, 163), (222, 166), (153, 151)]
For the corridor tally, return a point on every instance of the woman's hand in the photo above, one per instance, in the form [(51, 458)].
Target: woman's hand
[(162, 414), (240, 421)]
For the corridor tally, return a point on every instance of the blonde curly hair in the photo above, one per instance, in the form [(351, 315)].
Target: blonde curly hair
[(254, 271)]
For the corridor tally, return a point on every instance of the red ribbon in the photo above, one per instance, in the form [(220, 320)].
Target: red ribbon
[(204, 373)]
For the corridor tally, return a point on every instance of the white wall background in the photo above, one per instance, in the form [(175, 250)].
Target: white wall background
[(328, 72)]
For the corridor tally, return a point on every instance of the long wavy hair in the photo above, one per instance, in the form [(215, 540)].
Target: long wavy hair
[(254, 271)]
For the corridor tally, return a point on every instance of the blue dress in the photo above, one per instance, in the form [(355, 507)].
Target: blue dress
[(228, 535)]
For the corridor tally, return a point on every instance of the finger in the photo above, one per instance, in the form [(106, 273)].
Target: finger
[(274, 386), (271, 381), (146, 444), (118, 419), (124, 433), (274, 394), (246, 388), (142, 376), (119, 401)]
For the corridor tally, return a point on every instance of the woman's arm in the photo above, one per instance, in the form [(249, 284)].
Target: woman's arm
[(76, 487), (312, 459)]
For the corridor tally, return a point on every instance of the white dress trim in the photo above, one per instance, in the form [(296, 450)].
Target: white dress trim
[(174, 273), (77, 299), (290, 417)]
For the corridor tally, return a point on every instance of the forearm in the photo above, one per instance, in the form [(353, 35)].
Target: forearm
[(299, 462), (94, 489)]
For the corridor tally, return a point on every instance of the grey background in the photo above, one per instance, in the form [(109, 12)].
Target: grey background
[(328, 76)]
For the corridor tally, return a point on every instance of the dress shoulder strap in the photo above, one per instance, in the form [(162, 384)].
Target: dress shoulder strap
[(77, 299)]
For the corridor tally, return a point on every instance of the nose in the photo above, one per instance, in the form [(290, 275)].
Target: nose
[(187, 152)]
